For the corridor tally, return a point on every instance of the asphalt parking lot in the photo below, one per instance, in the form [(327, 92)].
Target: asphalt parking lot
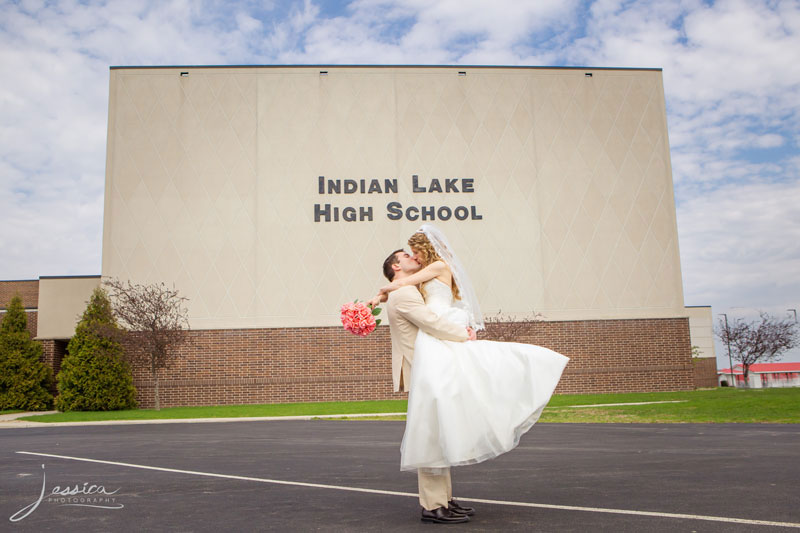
[(344, 476)]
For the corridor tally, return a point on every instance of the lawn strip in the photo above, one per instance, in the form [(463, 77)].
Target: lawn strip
[(722, 405), (229, 411)]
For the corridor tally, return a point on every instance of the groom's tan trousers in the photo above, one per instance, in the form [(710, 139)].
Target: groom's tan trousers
[(435, 490), (407, 315)]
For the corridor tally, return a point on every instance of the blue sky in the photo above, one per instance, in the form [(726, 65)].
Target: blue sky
[(731, 77)]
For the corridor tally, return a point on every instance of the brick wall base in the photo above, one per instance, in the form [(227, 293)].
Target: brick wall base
[(53, 352), (32, 316), (28, 290), (705, 372), (284, 365)]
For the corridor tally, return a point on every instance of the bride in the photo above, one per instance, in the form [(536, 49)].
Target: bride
[(468, 401)]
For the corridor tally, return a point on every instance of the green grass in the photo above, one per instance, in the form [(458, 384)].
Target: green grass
[(10, 411), (722, 405), (226, 411)]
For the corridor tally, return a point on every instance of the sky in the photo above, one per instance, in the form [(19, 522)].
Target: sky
[(731, 73)]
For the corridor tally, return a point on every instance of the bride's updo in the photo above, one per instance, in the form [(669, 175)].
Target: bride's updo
[(420, 245)]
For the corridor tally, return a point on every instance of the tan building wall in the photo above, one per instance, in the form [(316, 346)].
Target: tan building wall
[(213, 178), (701, 329), (62, 301)]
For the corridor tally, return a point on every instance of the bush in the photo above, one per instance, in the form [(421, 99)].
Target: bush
[(24, 380), (94, 376)]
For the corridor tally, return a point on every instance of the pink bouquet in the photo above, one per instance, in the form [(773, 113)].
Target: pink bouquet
[(359, 319)]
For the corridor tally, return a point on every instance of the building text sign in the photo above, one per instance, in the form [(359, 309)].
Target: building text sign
[(395, 210)]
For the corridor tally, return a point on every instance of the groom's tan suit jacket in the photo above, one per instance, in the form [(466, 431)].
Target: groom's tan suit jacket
[(407, 315)]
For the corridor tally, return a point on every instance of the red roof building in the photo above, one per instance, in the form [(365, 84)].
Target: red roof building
[(762, 375)]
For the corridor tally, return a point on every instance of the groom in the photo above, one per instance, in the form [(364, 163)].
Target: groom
[(407, 315)]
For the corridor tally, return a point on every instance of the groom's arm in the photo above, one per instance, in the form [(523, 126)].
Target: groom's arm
[(408, 303)]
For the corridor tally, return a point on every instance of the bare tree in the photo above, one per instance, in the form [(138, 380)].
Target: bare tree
[(156, 317), (508, 328), (758, 340)]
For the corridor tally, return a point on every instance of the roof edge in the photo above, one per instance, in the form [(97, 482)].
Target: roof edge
[(98, 276), (516, 67)]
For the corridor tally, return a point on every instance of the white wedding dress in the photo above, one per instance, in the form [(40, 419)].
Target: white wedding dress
[(472, 401)]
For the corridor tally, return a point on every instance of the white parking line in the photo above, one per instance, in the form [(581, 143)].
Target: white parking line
[(414, 495)]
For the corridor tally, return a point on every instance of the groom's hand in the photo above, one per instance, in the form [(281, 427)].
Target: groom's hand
[(471, 332)]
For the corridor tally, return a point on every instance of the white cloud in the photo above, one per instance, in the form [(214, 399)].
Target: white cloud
[(768, 140), (740, 245), (423, 32), (246, 23)]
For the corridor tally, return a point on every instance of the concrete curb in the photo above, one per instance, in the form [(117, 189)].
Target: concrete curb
[(13, 416), (12, 423)]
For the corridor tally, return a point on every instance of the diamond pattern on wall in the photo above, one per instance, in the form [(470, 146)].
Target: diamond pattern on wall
[(213, 178)]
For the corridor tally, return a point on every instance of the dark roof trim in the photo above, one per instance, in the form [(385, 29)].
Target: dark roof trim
[(517, 67), (70, 277)]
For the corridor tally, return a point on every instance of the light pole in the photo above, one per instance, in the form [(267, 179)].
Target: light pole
[(728, 341), (795, 313)]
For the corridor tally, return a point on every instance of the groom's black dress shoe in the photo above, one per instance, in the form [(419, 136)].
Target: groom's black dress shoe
[(456, 507), (442, 515)]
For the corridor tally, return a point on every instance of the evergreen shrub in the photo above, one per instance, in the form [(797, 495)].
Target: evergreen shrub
[(24, 380), (94, 375)]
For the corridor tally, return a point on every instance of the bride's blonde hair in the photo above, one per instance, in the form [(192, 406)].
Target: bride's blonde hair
[(420, 244)]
